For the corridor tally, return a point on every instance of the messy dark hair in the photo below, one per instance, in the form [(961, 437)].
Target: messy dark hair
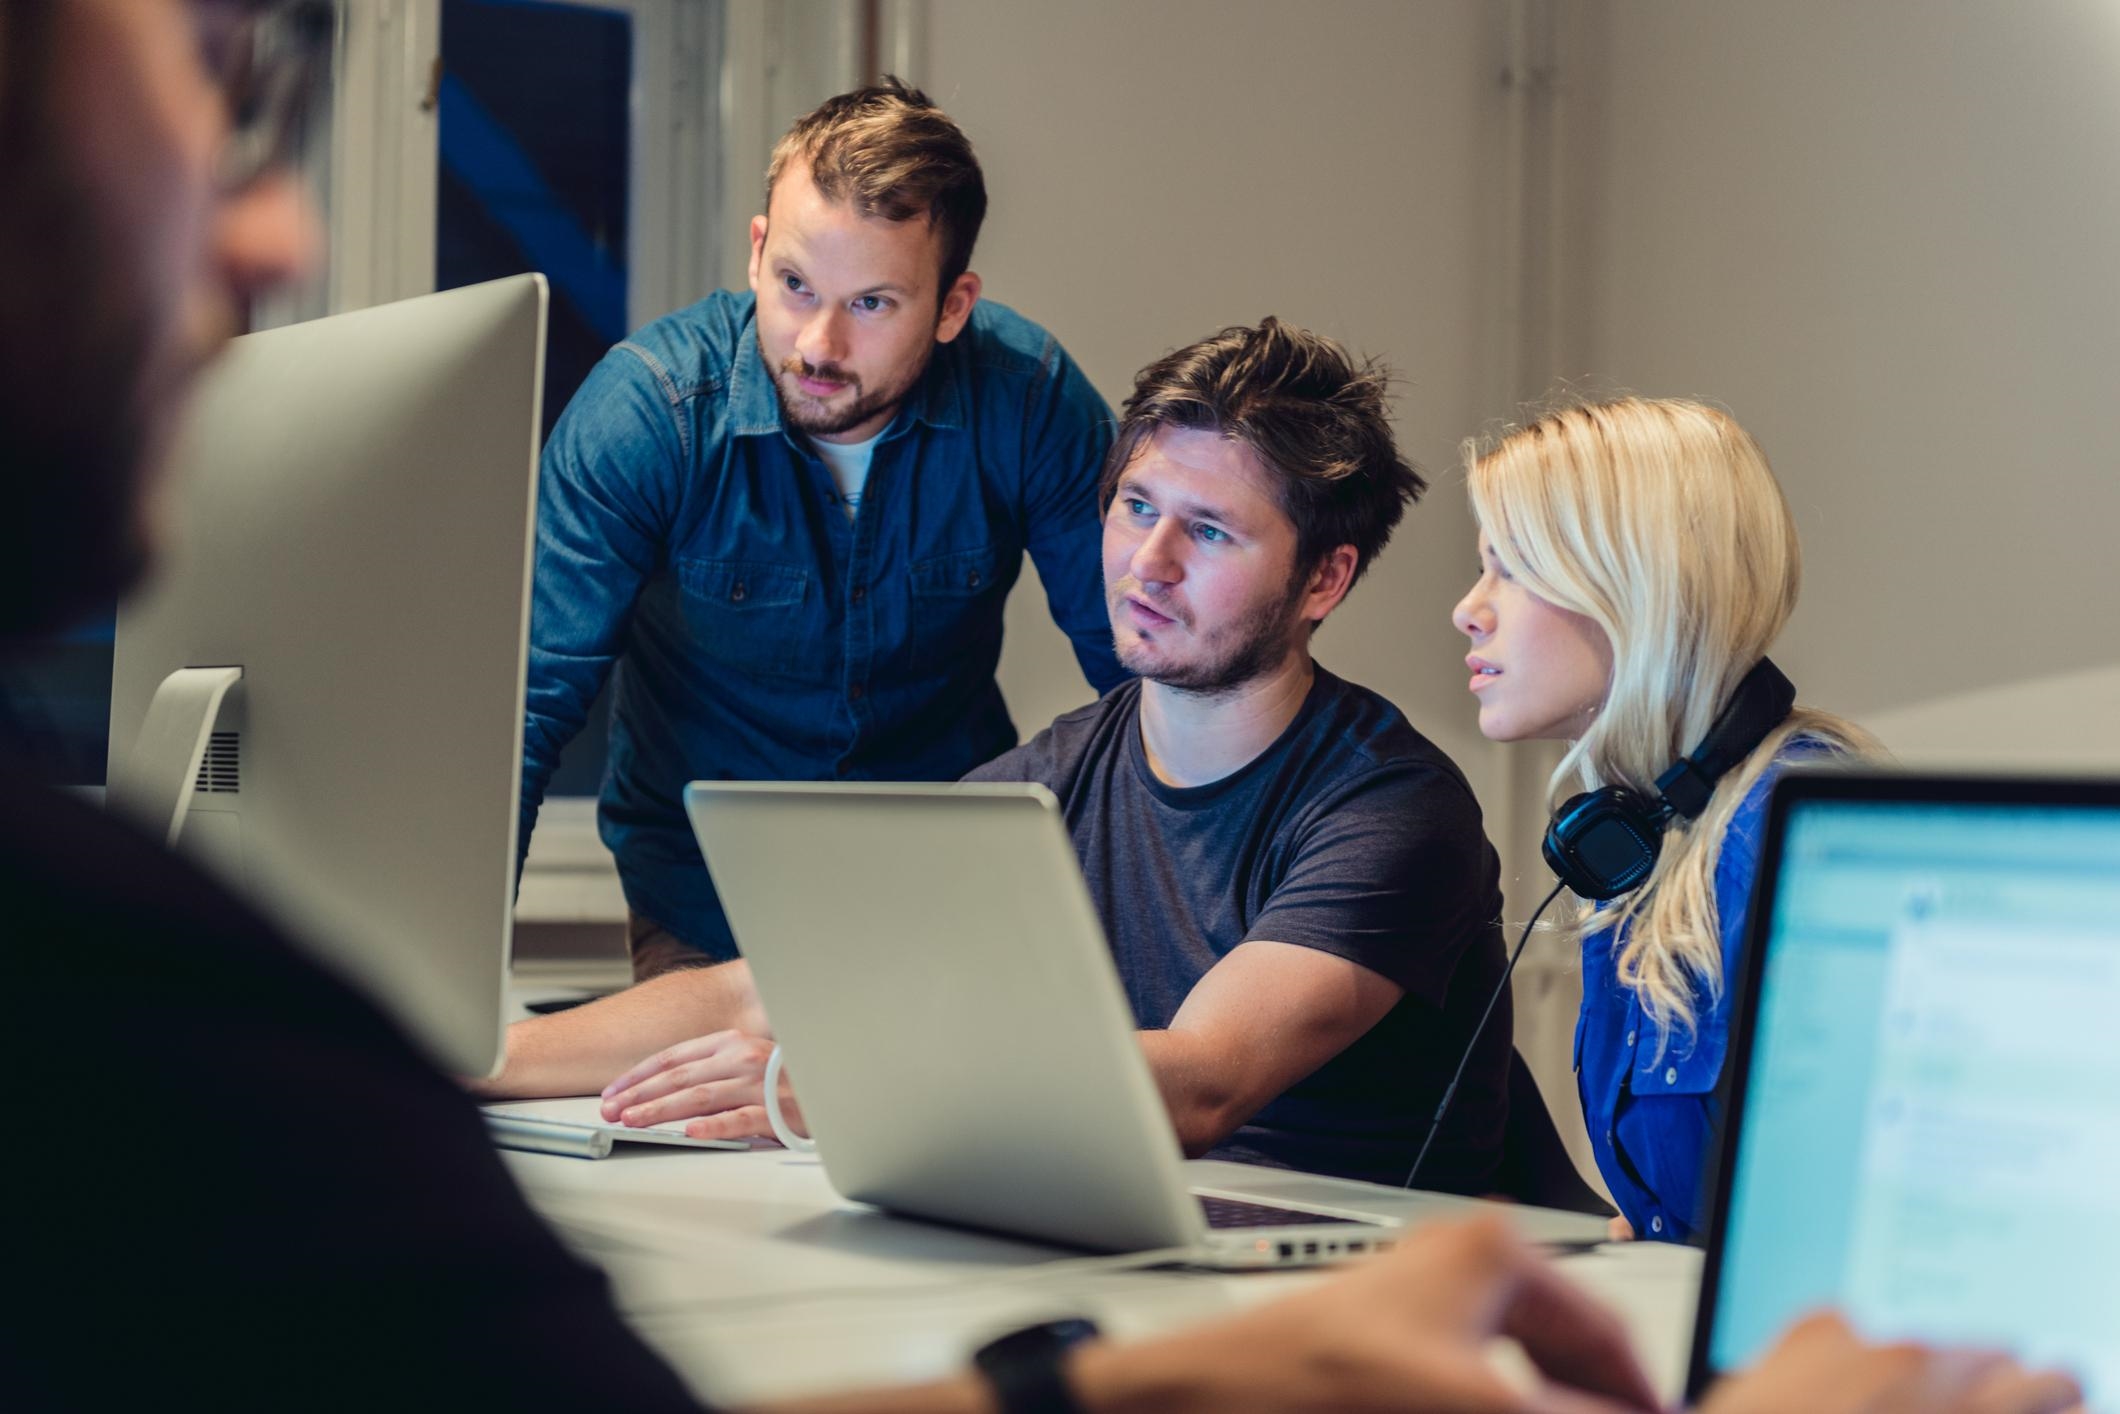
[(1317, 419)]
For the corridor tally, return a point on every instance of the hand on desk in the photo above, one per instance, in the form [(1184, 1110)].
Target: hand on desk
[(1405, 1331), (1410, 1331), (1821, 1367), (717, 1082)]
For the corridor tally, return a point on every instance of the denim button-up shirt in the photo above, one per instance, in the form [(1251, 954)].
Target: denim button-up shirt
[(685, 534), (1649, 1098)]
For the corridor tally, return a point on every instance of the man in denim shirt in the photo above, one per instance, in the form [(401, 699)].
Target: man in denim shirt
[(794, 516)]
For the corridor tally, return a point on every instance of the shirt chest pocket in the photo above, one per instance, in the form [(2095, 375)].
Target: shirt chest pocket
[(956, 607), (1665, 1115), (748, 615)]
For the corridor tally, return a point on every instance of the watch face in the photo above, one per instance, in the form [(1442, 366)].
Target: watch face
[(1054, 1336)]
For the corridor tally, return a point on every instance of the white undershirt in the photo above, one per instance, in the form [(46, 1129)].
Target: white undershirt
[(849, 462)]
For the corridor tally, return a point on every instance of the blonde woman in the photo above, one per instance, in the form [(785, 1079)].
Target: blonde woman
[(1637, 561)]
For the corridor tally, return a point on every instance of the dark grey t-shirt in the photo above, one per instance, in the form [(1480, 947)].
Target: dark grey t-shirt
[(1352, 834)]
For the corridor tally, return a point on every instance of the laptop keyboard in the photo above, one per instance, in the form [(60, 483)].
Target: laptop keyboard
[(1224, 1213)]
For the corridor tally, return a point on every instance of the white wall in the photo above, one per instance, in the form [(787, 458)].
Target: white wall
[(1159, 171), (1887, 237)]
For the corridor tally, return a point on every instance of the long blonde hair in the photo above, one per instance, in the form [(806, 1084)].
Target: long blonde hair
[(1660, 521)]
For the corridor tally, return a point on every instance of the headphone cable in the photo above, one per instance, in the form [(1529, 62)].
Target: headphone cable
[(1443, 1107)]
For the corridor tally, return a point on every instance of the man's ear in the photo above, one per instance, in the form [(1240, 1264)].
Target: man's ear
[(758, 249), (956, 307), (1330, 580)]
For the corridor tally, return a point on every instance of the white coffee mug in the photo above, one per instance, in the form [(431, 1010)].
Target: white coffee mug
[(781, 1129)]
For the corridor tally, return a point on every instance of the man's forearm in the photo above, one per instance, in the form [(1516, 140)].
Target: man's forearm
[(1194, 1081), (1168, 1376), (581, 1050)]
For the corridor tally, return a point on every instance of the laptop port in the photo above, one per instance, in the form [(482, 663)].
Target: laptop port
[(1288, 1249), (1310, 1249)]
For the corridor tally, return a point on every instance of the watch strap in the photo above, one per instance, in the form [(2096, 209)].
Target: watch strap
[(1027, 1368)]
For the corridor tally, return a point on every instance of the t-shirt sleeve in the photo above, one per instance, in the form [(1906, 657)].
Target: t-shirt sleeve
[(1048, 758), (1393, 872), (1017, 764)]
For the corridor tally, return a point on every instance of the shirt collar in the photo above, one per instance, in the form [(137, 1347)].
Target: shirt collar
[(938, 399)]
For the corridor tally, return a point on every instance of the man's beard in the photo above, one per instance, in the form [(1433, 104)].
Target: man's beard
[(1262, 639), (805, 415)]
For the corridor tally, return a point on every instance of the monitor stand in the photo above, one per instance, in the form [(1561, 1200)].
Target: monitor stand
[(154, 783)]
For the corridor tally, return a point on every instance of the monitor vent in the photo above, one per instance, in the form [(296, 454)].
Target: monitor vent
[(218, 773)]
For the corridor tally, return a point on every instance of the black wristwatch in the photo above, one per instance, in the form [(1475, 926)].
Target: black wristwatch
[(1024, 1367)]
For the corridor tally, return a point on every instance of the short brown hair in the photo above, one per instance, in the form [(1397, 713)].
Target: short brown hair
[(892, 153), (1315, 417)]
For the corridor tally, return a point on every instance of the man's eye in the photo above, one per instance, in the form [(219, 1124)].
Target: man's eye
[(869, 304), (1210, 534), (1138, 508), (793, 282)]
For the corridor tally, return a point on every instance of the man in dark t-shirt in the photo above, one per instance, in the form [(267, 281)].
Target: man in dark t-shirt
[(1351, 834), (1294, 882), (1297, 890)]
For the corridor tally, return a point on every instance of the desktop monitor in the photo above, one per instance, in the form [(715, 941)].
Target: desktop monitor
[(320, 694)]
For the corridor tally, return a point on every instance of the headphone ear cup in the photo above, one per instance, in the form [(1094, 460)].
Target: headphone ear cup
[(1604, 842)]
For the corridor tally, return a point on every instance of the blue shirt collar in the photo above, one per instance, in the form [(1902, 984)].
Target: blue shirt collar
[(938, 399)]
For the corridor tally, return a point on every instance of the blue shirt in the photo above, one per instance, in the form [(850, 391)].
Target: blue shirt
[(1649, 1101), (686, 535)]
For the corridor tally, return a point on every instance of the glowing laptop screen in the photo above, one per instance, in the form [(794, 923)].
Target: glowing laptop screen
[(1931, 1127)]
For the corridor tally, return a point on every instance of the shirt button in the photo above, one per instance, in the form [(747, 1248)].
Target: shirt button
[(971, 579), (854, 693), (1630, 1038), (738, 593), (860, 593), (1656, 1224), (1670, 1075)]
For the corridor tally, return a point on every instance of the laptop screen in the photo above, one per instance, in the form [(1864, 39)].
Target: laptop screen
[(1929, 1136)]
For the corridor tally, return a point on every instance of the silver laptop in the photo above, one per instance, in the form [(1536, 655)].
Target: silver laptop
[(1924, 1116), (955, 1028)]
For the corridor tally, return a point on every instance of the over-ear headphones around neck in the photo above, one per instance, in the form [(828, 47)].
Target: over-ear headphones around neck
[(1605, 842)]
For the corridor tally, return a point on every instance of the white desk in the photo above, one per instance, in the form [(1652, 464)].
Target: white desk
[(754, 1280)]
